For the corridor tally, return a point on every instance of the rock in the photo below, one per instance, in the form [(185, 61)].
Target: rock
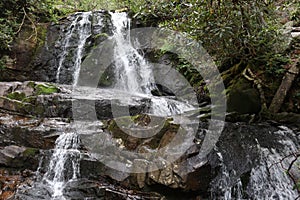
[(9, 153), (83, 189), (29, 132), (45, 64), (292, 119), (243, 100), (23, 49), (295, 169), (239, 152), (50, 100), (19, 157)]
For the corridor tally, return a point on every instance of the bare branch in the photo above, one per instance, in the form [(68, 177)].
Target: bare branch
[(34, 26)]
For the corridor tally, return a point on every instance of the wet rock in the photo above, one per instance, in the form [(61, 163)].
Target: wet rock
[(49, 100), (242, 155), (295, 169), (19, 157), (85, 189), (247, 162), (9, 153), (29, 132), (45, 64)]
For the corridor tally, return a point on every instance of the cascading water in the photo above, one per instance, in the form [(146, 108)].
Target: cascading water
[(79, 30), (63, 166), (267, 180), (64, 163), (134, 73)]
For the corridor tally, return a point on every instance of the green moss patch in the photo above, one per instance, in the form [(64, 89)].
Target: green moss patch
[(30, 152), (46, 89), (20, 96)]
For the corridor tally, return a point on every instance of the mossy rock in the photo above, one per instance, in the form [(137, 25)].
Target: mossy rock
[(121, 129), (100, 38), (30, 152), (244, 101), (31, 84), (45, 89), (242, 97), (20, 96)]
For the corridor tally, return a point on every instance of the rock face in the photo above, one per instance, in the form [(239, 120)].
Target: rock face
[(48, 100), (248, 162), (40, 61), (61, 46), (237, 167)]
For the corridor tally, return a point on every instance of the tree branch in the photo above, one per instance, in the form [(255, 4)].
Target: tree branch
[(34, 26)]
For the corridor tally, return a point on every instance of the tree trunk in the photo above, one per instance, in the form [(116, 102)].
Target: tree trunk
[(283, 89)]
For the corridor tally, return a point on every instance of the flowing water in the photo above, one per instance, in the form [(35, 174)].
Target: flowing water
[(64, 163), (134, 75), (79, 30)]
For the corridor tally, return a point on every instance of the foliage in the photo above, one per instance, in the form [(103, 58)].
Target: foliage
[(17, 13), (88, 5), (292, 7), (229, 30)]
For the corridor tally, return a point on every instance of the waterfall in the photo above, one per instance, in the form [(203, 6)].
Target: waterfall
[(64, 163), (133, 73), (79, 30)]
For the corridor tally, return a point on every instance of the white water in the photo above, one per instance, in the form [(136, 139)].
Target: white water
[(134, 73), (64, 163), (81, 26), (268, 180)]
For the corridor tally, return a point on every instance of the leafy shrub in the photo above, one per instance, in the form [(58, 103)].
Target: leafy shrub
[(228, 30)]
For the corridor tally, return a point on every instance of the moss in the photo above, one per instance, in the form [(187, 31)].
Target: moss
[(107, 79), (30, 152), (46, 89), (39, 110), (20, 96), (31, 84), (101, 36), (31, 99), (114, 128), (42, 33)]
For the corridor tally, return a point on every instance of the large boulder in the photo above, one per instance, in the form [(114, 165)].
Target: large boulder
[(52, 100), (238, 166)]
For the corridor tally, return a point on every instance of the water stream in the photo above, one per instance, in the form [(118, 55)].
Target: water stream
[(79, 30), (64, 163), (133, 75)]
